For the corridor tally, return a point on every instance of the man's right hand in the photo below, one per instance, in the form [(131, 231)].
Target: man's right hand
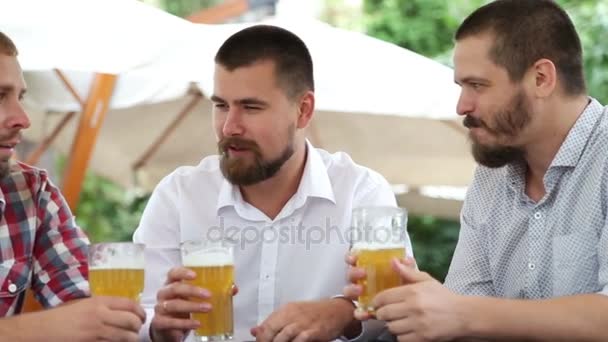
[(90, 319), (172, 322)]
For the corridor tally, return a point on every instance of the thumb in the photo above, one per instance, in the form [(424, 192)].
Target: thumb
[(409, 274)]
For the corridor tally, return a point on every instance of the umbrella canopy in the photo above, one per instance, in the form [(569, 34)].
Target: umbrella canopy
[(391, 109)]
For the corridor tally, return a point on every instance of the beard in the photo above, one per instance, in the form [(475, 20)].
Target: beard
[(510, 121), (238, 171), (5, 168)]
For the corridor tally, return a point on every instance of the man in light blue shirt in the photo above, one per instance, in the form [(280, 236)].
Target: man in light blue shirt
[(532, 257)]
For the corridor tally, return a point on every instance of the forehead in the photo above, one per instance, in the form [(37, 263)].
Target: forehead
[(472, 58), (10, 72), (259, 75)]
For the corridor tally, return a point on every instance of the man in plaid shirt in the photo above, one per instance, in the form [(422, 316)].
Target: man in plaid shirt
[(41, 247)]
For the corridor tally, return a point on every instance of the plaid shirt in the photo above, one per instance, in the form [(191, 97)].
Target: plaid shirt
[(40, 245)]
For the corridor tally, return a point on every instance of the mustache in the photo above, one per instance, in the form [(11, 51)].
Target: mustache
[(473, 122), (15, 134), (237, 142)]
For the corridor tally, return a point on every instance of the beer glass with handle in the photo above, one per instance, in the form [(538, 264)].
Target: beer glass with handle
[(380, 236), (116, 269), (213, 263)]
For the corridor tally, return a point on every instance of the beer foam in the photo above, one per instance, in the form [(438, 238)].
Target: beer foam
[(206, 258), (115, 264), (375, 246)]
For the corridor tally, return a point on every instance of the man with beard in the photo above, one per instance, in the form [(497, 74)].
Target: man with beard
[(42, 250), (287, 204), (532, 257)]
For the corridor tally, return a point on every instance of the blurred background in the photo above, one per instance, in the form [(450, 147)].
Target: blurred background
[(110, 211)]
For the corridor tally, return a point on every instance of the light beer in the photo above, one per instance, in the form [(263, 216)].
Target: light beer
[(214, 272), (376, 261), (117, 282), (116, 269)]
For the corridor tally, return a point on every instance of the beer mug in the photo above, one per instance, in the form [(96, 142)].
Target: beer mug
[(116, 269), (213, 263), (379, 236)]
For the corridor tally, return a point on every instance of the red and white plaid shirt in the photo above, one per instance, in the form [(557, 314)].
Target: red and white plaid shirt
[(41, 247)]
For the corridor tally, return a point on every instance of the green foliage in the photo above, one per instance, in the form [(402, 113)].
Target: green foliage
[(183, 8), (427, 27), (591, 20), (423, 26), (106, 212), (433, 241)]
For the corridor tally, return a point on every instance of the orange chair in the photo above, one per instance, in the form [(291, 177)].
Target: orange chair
[(30, 304)]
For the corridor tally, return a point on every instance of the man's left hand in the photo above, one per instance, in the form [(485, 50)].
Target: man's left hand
[(323, 320), (421, 310)]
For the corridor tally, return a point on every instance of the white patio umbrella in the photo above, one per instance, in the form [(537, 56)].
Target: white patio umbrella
[(391, 109)]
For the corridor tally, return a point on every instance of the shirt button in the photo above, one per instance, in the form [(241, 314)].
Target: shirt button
[(531, 266), (12, 288), (538, 215)]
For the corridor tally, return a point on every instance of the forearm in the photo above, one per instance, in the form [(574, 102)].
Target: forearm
[(574, 318), (23, 328), (352, 327)]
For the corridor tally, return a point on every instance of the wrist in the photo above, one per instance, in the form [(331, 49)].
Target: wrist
[(153, 335), (466, 309), (351, 327), (473, 316)]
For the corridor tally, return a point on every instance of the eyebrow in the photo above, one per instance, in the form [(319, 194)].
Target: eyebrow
[(471, 79), (245, 101), (10, 88)]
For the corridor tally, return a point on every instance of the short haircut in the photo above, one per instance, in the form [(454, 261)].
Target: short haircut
[(292, 60), (526, 31), (7, 47)]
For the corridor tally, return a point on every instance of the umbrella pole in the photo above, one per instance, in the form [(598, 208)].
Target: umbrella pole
[(91, 121), (34, 156), (220, 13), (149, 153), (69, 86)]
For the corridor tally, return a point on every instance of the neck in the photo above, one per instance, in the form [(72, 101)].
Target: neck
[(271, 195), (557, 122)]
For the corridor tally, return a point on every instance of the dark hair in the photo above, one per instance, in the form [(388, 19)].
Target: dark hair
[(526, 31), (7, 47), (293, 63)]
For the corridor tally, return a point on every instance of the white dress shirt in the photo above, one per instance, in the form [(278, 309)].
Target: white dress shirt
[(297, 256)]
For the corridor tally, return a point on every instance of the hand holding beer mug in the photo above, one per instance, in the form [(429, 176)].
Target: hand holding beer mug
[(214, 267), (380, 236), (116, 269)]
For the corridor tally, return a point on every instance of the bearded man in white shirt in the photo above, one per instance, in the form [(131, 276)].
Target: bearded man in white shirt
[(286, 203)]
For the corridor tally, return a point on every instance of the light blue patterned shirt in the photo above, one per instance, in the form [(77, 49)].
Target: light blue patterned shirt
[(512, 247)]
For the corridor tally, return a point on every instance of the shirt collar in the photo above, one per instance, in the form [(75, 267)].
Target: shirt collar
[(571, 149), (314, 183), (8, 181), (573, 146)]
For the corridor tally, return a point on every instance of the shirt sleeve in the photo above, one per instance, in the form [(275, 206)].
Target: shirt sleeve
[(159, 231), (469, 272), (602, 254), (60, 267)]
